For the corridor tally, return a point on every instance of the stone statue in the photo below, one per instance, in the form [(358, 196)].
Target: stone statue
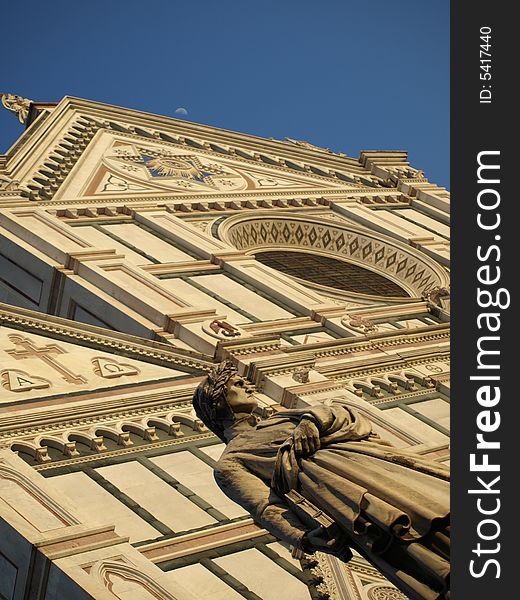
[(17, 104), (321, 480)]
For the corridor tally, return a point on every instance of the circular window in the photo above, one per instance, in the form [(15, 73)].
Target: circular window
[(338, 258), (330, 272)]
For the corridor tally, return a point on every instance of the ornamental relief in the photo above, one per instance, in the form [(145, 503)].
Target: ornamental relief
[(17, 104), (407, 267), (181, 163), (97, 435), (140, 167), (32, 366), (172, 168), (126, 580)]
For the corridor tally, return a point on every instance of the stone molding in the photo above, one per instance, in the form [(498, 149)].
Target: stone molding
[(96, 337)]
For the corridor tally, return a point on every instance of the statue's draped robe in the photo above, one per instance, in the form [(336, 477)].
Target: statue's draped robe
[(393, 504)]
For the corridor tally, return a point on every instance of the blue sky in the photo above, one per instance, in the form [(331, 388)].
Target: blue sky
[(348, 75)]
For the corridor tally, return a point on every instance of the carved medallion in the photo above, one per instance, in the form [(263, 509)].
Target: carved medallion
[(20, 381), (111, 369)]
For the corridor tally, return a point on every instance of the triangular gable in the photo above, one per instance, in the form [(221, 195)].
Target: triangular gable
[(44, 357), (83, 148), (140, 167)]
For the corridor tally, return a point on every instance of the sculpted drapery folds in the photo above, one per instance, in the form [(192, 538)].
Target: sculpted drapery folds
[(391, 505)]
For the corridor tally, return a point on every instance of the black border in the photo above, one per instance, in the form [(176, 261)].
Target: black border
[(477, 127)]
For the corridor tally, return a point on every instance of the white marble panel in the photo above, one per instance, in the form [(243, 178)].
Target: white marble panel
[(412, 323), (38, 515), (283, 551), (389, 437), (146, 291), (196, 297), (386, 327), (414, 426), (436, 409), (422, 219), (253, 303), (98, 505), (214, 451), (101, 241), (156, 496), (49, 229), (263, 576), (203, 584), (149, 243), (393, 219), (198, 477), (313, 338)]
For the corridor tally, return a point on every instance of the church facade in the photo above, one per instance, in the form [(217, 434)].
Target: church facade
[(136, 252)]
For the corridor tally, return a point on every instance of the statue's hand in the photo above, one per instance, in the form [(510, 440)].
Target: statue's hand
[(306, 438), (317, 540)]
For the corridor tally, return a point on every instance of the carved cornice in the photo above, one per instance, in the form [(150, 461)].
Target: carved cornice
[(243, 346), (48, 178), (96, 337), (8, 185), (213, 536), (55, 168), (309, 146), (346, 346), (214, 136), (259, 370), (331, 579), (345, 372), (123, 451), (181, 205), (121, 408)]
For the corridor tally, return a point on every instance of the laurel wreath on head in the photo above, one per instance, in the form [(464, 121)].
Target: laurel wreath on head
[(209, 399)]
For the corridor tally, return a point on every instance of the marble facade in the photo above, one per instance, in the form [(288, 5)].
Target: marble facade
[(131, 261)]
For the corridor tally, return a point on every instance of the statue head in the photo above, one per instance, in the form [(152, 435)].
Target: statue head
[(221, 396)]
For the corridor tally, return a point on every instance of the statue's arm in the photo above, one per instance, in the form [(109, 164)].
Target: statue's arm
[(264, 505), (334, 418), (325, 417)]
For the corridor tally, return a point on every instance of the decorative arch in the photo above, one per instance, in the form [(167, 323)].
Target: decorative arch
[(399, 264), (8, 473), (116, 574)]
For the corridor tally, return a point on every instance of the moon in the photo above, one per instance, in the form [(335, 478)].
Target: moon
[(181, 111)]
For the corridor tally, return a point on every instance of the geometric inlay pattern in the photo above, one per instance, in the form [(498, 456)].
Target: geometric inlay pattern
[(405, 267)]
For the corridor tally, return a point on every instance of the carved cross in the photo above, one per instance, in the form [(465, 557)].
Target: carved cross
[(26, 349)]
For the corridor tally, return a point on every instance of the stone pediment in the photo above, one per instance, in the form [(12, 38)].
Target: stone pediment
[(81, 148), (43, 357), (134, 165)]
